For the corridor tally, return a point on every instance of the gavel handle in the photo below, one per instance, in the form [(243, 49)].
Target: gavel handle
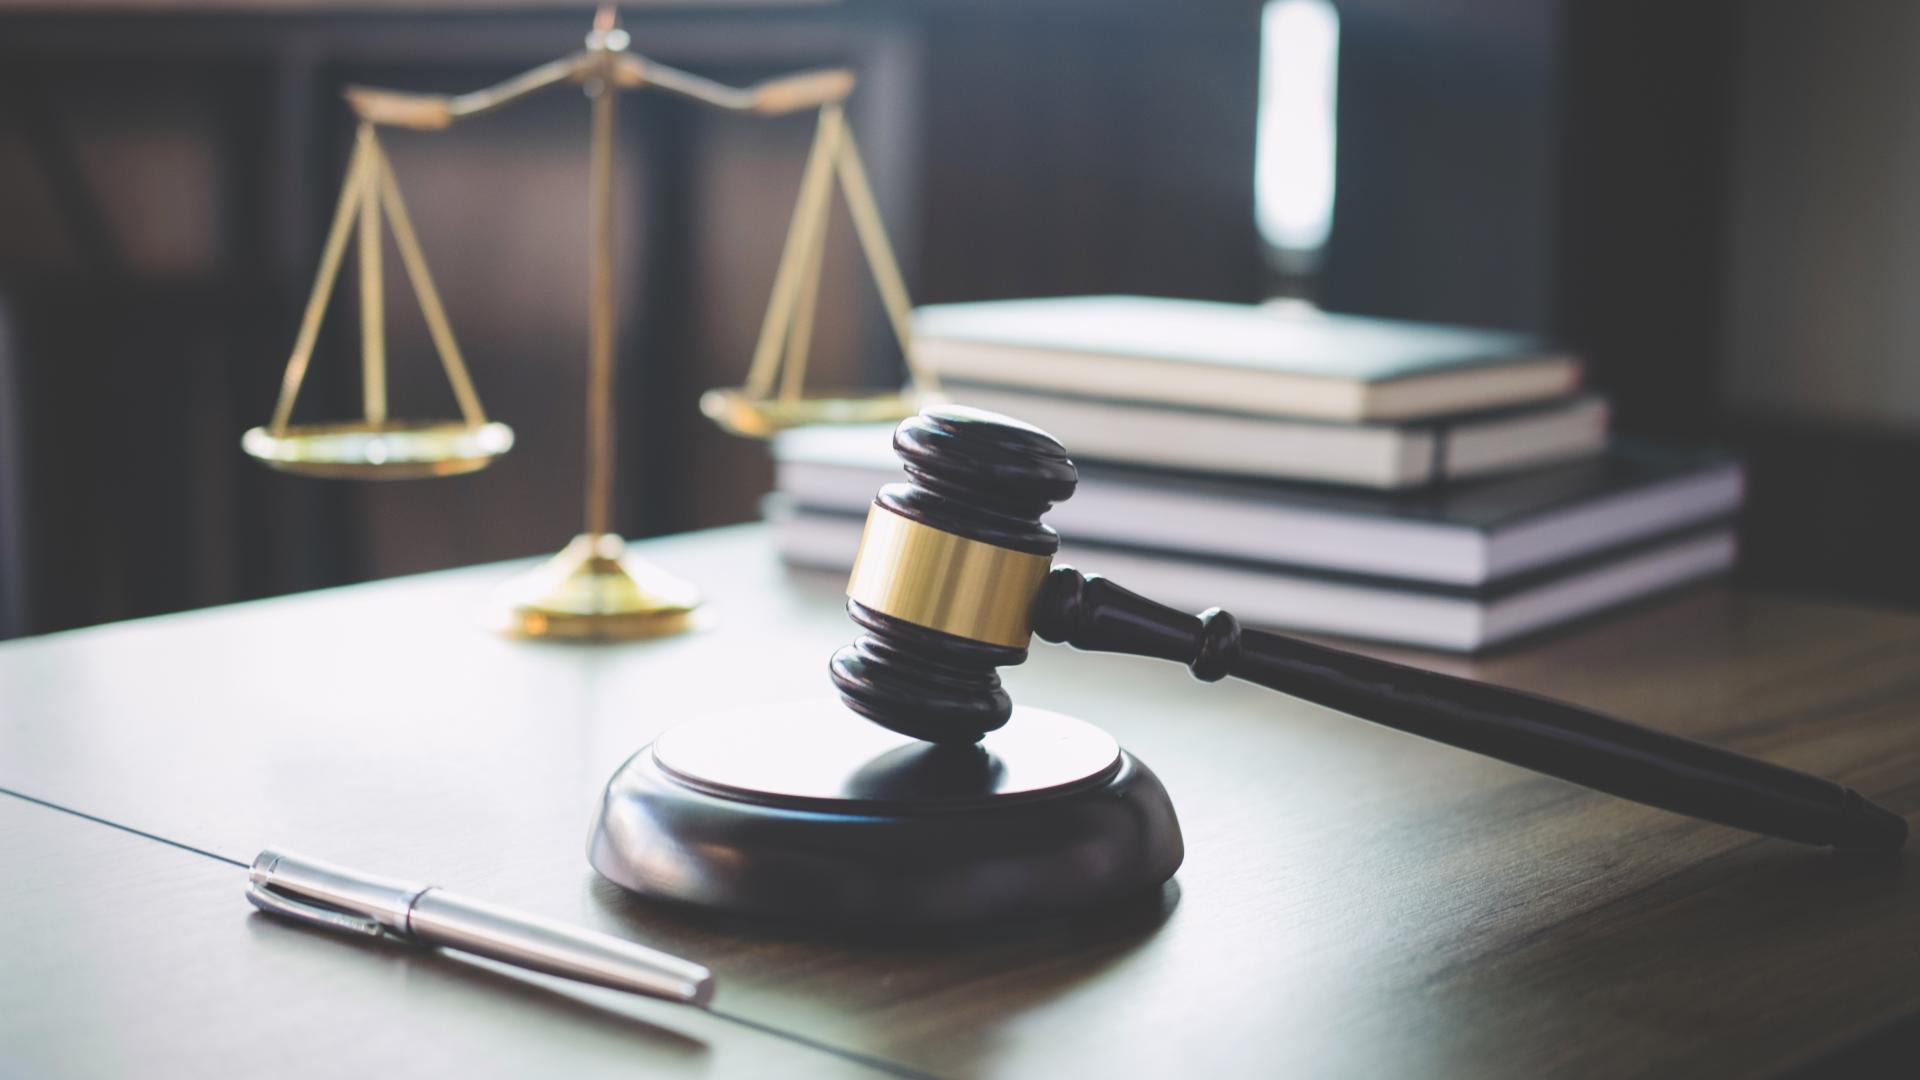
[(1538, 733)]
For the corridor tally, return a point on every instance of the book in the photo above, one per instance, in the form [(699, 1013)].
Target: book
[(1466, 534), (1263, 360), (1301, 600), (1376, 455)]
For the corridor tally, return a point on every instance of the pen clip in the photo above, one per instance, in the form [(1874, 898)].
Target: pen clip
[(335, 897), (278, 903)]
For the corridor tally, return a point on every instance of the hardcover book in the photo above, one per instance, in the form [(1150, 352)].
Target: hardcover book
[(1463, 534), (1300, 599), (1388, 456), (1263, 360)]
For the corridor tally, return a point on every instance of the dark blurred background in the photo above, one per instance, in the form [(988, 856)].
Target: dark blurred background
[(1711, 199)]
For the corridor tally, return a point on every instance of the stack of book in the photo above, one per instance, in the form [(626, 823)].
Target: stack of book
[(1433, 486)]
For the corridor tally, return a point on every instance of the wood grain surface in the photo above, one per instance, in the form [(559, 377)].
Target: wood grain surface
[(1354, 902)]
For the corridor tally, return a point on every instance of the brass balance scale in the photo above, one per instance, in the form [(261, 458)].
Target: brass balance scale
[(594, 588)]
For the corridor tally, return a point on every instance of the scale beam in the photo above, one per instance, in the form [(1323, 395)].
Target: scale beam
[(774, 97), (437, 112)]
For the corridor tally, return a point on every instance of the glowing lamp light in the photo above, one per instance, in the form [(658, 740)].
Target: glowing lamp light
[(1293, 170)]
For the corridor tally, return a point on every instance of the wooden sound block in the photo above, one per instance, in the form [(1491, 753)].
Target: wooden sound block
[(810, 813)]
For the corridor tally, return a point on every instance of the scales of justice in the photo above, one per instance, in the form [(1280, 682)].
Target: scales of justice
[(594, 588)]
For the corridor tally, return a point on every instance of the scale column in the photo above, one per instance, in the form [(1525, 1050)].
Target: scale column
[(595, 588), (373, 292), (600, 315)]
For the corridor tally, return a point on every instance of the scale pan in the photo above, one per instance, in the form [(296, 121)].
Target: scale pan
[(760, 418), (394, 450)]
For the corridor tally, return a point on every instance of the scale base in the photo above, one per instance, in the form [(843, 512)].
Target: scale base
[(808, 813), (594, 590)]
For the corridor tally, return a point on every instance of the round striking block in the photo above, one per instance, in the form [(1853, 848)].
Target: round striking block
[(806, 813)]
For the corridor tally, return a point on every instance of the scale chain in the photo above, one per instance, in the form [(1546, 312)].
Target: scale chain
[(790, 310), (415, 263), (344, 213), (867, 225), (813, 185), (807, 298)]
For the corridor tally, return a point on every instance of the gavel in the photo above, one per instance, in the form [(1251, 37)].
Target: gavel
[(954, 575)]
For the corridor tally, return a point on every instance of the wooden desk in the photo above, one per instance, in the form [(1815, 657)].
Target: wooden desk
[(125, 957), (1355, 901)]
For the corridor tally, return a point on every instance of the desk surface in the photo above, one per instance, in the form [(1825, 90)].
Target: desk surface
[(123, 957), (1355, 901)]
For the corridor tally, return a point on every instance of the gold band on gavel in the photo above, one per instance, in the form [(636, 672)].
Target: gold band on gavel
[(967, 588)]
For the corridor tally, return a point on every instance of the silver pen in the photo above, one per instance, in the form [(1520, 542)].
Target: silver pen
[(340, 899)]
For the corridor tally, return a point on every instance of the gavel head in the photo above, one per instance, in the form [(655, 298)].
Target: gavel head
[(948, 571)]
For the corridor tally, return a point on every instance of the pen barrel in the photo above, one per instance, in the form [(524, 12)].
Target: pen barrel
[(442, 918)]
